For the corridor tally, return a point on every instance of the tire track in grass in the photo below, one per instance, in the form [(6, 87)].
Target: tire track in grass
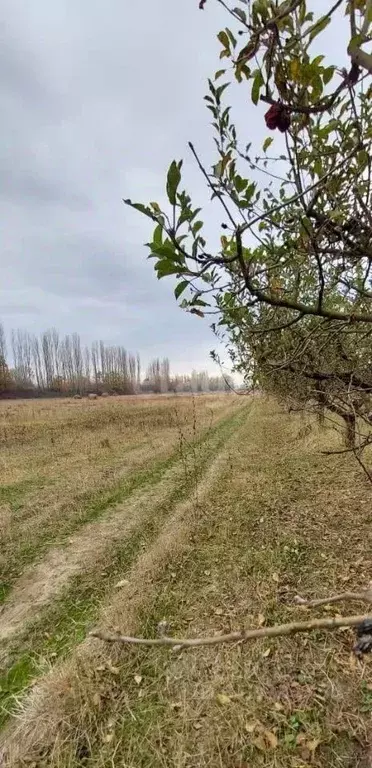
[(95, 506), (63, 623)]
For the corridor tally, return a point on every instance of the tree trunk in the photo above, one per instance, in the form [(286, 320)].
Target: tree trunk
[(350, 430)]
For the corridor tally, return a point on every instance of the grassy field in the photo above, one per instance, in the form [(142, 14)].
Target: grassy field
[(210, 513)]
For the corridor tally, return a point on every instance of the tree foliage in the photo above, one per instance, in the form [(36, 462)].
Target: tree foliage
[(291, 279)]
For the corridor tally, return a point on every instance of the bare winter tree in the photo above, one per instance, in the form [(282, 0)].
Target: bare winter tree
[(22, 357)]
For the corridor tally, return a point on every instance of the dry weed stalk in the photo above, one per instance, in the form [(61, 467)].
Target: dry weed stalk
[(360, 622)]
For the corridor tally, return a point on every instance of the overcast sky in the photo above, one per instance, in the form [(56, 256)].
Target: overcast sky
[(98, 97)]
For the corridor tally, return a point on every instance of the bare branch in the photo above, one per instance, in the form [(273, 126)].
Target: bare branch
[(212, 186), (233, 637), (361, 463), (365, 596)]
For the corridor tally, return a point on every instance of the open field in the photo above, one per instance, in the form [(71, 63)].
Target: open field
[(208, 512)]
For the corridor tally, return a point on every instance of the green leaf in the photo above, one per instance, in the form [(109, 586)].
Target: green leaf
[(318, 168), (163, 250), (158, 235), (306, 226), (328, 74), (302, 11), (240, 70), (258, 81), (223, 38), (140, 207), (198, 225), (242, 15), (219, 73), (220, 90), (180, 288), (240, 183), (173, 180), (250, 191), (231, 37), (363, 159), (166, 267), (217, 170), (269, 140), (318, 27)]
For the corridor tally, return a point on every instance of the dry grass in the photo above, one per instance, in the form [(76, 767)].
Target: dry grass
[(61, 461), (270, 518)]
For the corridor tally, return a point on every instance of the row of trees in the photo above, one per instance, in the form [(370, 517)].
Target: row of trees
[(50, 363), (291, 280)]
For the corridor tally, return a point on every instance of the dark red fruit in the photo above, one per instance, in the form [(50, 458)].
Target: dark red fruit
[(278, 117)]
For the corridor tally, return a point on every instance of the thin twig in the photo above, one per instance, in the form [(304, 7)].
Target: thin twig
[(365, 596), (211, 185), (362, 465), (233, 637), (298, 196), (345, 450)]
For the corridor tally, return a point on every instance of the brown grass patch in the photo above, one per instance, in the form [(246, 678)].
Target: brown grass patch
[(275, 519), (56, 456), (67, 695)]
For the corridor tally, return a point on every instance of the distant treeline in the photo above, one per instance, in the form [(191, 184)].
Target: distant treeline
[(53, 365)]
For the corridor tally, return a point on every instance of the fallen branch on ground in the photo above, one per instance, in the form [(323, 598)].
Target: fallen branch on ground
[(364, 596), (244, 635)]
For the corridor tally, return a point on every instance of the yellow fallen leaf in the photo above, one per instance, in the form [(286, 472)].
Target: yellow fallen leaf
[(300, 738), (275, 578), (108, 738), (260, 620), (278, 706), (271, 739), (197, 726), (122, 583), (96, 700), (260, 743), (138, 679), (113, 670), (266, 653), (218, 611), (251, 727), (313, 744), (223, 699)]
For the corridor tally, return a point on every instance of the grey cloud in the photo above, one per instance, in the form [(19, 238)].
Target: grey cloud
[(19, 78), (97, 100), (27, 186)]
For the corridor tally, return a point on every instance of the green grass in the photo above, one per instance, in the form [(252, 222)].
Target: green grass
[(14, 493)]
